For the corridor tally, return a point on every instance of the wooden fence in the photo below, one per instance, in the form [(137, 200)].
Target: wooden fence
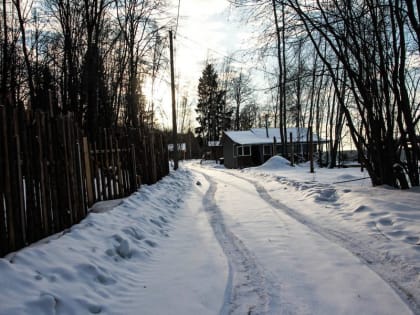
[(50, 174)]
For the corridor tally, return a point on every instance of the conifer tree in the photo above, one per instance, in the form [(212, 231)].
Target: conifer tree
[(212, 115)]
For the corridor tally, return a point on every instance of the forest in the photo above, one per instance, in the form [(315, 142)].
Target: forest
[(349, 70), (86, 57)]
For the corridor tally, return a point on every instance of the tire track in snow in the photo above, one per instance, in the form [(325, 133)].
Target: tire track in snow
[(384, 267), (246, 290)]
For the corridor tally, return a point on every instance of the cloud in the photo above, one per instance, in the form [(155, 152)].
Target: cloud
[(202, 7)]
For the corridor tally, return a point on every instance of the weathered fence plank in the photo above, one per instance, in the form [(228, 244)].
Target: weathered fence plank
[(121, 186), (43, 176), (88, 172), (114, 167), (51, 139), (19, 193), (4, 242)]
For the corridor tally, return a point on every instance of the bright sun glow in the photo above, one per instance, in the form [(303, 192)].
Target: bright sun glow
[(203, 33)]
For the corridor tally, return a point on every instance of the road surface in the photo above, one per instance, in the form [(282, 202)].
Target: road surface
[(278, 265)]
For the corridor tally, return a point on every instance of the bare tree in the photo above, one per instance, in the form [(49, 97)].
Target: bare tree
[(22, 13), (368, 39), (68, 34), (250, 116), (139, 29), (241, 93)]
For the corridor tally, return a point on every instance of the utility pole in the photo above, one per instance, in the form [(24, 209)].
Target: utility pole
[(174, 132)]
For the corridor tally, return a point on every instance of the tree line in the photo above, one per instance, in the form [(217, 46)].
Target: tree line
[(346, 69), (87, 57)]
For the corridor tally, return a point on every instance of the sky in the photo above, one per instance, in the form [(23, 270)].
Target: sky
[(274, 239), (207, 30)]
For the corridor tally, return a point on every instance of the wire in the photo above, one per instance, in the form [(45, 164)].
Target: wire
[(177, 18), (224, 55)]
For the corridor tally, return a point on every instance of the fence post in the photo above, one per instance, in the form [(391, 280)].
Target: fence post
[(75, 194), (86, 154), (6, 240), (52, 172), (82, 190), (43, 201), (114, 169), (98, 180), (19, 183), (30, 155), (106, 167), (101, 151), (153, 156), (134, 177)]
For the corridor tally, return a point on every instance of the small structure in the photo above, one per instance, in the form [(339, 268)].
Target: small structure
[(214, 151), (255, 146), (182, 149)]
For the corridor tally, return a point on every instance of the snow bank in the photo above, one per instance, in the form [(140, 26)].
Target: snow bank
[(274, 163), (103, 265)]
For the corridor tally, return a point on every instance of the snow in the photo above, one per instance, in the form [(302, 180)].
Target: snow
[(274, 239), (298, 134), (274, 164), (259, 135), (128, 260), (247, 137)]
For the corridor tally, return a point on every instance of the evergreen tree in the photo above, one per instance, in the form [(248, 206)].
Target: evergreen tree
[(212, 114)]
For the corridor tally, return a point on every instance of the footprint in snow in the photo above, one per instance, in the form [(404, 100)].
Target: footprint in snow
[(386, 221), (123, 250), (95, 309), (156, 223), (150, 243), (361, 208), (414, 240)]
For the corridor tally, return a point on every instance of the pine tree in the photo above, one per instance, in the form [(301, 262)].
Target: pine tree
[(212, 115)]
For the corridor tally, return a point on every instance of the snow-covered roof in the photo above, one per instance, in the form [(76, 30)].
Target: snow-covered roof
[(259, 135), (246, 137)]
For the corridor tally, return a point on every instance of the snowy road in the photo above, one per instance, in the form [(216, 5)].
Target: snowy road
[(279, 265), (211, 241)]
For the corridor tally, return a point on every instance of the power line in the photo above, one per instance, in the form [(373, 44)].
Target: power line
[(225, 56), (177, 18)]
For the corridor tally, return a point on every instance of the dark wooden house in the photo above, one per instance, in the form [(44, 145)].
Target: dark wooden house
[(255, 146)]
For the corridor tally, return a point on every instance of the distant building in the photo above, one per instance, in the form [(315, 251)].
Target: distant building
[(188, 146), (255, 146)]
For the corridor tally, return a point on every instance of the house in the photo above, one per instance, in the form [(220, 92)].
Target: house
[(255, 146)]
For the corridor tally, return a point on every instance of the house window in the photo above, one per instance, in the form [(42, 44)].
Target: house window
[(244, 150), (267, 149)]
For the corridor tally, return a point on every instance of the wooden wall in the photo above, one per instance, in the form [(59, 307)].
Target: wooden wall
[(50, 174)]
